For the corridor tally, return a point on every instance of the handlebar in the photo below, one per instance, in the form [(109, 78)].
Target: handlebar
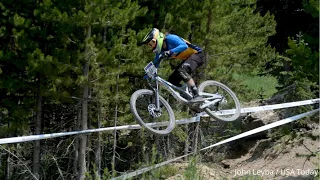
[(156, 64), (161, 57)]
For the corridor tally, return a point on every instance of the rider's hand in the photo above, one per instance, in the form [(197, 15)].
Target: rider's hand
[(161, 57), (145, 76), (166, 54)]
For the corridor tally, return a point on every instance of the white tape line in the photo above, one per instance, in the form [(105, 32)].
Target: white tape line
[(280, 106), (146, 169), (263, 128), (55, 135), (269, 107), (248, 133), (136, 126)]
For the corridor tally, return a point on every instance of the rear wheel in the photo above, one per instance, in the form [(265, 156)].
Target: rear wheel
[(143, 107), (226, 109)]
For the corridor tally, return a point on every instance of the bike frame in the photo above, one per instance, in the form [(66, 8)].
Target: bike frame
[(208, 98)]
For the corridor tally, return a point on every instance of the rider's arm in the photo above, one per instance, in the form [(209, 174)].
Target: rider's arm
[(156, 60), (175, 44)]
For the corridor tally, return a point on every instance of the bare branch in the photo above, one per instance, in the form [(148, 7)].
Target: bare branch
[(313, 154), (60, 172), (27, 169), (72, 142), (119, 158)]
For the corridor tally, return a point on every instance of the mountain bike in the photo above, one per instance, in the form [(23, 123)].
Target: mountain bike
[(154, 113)]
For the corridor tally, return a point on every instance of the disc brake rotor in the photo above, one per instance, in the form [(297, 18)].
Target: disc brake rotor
[(152, 110)]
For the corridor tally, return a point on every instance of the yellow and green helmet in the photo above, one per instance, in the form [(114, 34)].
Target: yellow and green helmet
[(155, 35)]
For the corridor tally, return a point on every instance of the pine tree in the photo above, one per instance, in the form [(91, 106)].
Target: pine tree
[(297, 67), (105, 51), (66, 65)]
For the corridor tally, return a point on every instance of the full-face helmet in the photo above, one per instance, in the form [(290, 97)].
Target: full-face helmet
[(154, 39)]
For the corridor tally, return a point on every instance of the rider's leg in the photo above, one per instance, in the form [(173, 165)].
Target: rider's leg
[(193, 87), (187, 68), (183, 72), (175, 78)]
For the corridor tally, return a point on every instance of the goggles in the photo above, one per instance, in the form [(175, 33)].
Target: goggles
[(153, 43)]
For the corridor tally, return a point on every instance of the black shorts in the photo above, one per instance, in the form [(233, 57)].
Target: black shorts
[(190, 65)]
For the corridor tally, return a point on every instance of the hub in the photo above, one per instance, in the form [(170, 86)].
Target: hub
[(153, 111)]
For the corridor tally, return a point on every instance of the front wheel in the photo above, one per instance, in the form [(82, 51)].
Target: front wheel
[(226, 109), (143, 107)]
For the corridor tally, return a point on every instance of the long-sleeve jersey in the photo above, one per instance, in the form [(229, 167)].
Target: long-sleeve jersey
[(180, 48)]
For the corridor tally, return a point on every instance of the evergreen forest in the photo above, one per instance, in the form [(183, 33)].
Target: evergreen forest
[(73, 65)]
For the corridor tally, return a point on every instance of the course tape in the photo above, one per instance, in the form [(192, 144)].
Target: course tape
[(245, 134), (55, 135), (265, 127), (146, 169), (136, 126), (269, 107)]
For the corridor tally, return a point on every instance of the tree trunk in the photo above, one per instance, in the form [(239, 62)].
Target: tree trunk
[(195, 137), (88, 146), (286, 67), (75, 157), (98, 146), (170, 150), (114, 141), (186, 142), (7, 176), (207, 41), (0, 154), (164, 147), (76, 148), (115, 124), (36, 150), (145, 152), (158, 146), (7, 172), (84, 120)]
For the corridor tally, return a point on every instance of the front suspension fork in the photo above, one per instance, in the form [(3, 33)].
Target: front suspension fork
[(156, 94), (156, 91)]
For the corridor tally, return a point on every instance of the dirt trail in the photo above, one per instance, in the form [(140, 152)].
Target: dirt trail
[(284, 159), (283, 162)]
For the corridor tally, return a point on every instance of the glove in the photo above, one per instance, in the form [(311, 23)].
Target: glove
[(162, 56), (145, 76), (166, 54)]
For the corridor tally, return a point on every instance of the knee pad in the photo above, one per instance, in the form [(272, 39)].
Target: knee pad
[(183, 72)]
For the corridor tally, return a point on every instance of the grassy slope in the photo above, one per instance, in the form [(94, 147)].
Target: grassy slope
[(258, 85)]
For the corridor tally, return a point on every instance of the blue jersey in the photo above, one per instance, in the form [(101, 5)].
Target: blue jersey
[(180, 48)]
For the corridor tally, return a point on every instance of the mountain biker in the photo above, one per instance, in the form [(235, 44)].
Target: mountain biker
[(173, 46)]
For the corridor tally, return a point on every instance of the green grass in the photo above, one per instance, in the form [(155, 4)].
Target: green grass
[(264, 85)]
